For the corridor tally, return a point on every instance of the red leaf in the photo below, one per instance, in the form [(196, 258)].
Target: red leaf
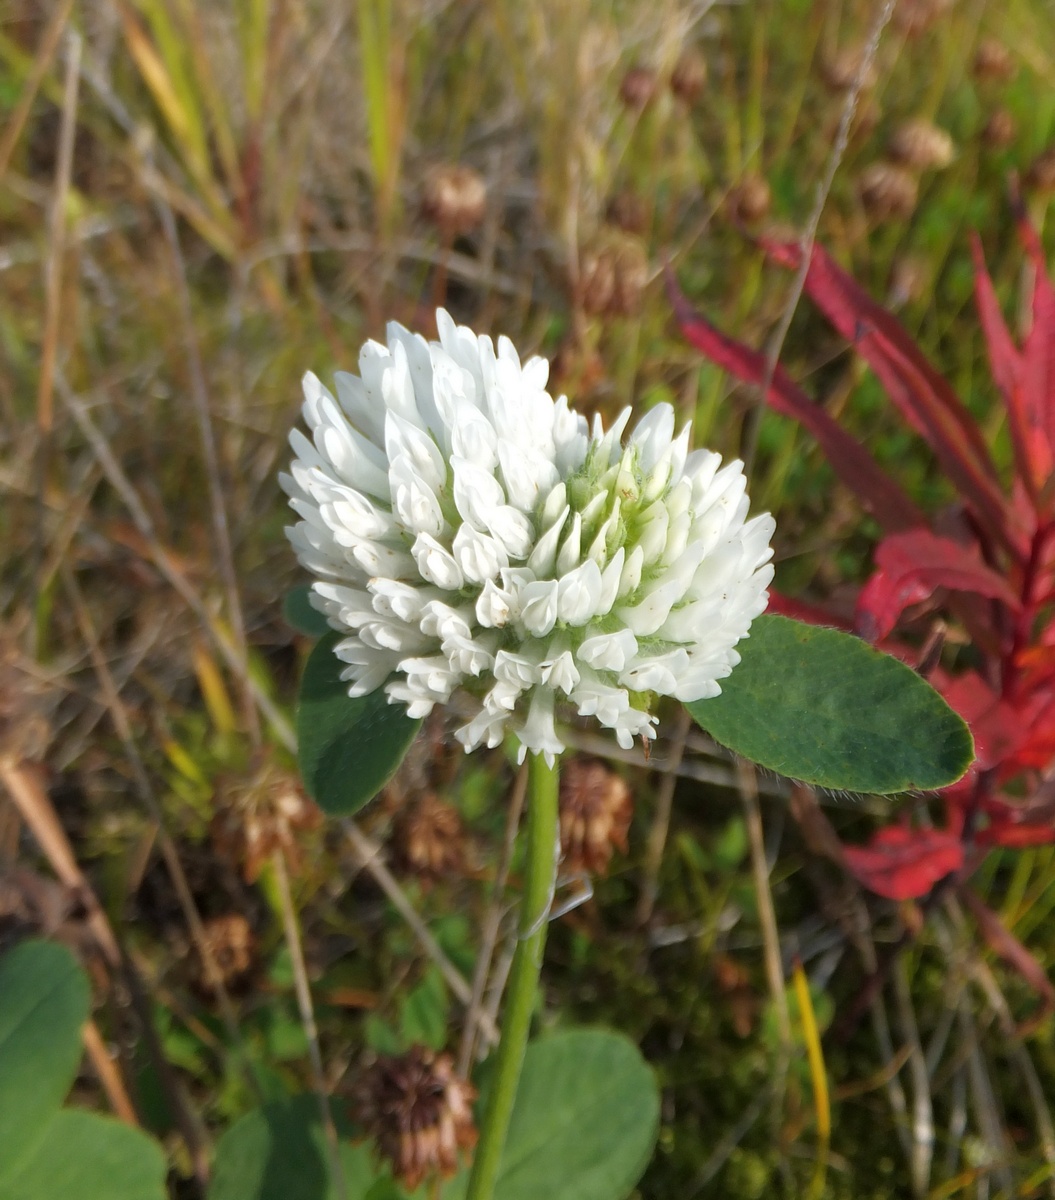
[(850, 460), (925, 399), (1038, 365), (811, 614), (912, 566), (1029, 435), (997, 728), (904, 864)]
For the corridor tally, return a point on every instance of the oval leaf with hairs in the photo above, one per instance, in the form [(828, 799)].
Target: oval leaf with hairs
[(348, 749), (825, 708)]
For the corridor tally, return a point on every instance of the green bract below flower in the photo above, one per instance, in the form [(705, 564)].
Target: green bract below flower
[(470, 533)]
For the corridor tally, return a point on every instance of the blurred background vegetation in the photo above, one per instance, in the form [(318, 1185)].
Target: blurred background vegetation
[(199, 202)]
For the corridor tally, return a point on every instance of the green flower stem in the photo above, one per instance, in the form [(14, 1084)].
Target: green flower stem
[(539, 876)]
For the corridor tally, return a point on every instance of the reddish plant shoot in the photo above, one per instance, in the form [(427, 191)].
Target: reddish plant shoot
[(992, 576)]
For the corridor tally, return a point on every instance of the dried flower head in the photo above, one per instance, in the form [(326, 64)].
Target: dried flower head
[(612, 275), (429, 839), (24, 726), (230, 943), (1041, 174), (915, 17), (689, 77), (839, 70), (468, 532), (638, 87), (454, 199), (922, 145), (751, 199), (595, 812), (993, 62), (888, 191), (259, 815), (1000, 130), (628, 211), (418, 1111)]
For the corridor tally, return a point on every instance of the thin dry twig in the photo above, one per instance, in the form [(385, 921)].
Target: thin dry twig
[(492, 926), (369, 856), (169, 851), (307, 1017), (809, 235), (922, 1109), (660, 827), (108, 1075)]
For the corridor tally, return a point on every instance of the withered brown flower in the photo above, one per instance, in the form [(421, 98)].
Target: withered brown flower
[(418, 1111), (454, 198), (689, 77), (888, 190), (231, 944), (428, 839), (612, 275), (595, 812), (922, 145), (259, 815)]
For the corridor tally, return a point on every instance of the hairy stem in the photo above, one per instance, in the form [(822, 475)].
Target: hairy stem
[(539, 878)]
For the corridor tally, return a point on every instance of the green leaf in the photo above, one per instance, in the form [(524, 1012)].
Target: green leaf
[(279, 1152), (301, 615), (90, 1157), (826, 708), (424, 1012), (349, 749), (585, 1120), (44, 1003)]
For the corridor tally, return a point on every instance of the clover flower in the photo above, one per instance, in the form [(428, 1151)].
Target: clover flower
[(471, 534)]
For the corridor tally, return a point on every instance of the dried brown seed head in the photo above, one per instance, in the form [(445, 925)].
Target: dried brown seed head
[(231, 944), (993, 62), (999, 130), (258, 816), (1041, 175), (613, 273), (922, 145), (638, 87), (454, 199), (628, 211), (915, 17), (418, 1111), (888, 191), (429, 839), (689, 77), (839, 70), (751, 199), (595, 812)]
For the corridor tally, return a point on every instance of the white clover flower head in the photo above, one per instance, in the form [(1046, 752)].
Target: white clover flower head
[(470, 533)]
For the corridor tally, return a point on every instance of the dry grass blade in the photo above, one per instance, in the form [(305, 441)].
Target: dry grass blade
[(57, 242), (168, 848), (49, 43), (657, 834), (368, 855), (492, 926), (922, 1109), (108, 1075), (809, 236), (217, 504), (302, 987)]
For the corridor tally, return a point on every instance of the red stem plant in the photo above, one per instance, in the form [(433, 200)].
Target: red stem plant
[(988, 566)]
